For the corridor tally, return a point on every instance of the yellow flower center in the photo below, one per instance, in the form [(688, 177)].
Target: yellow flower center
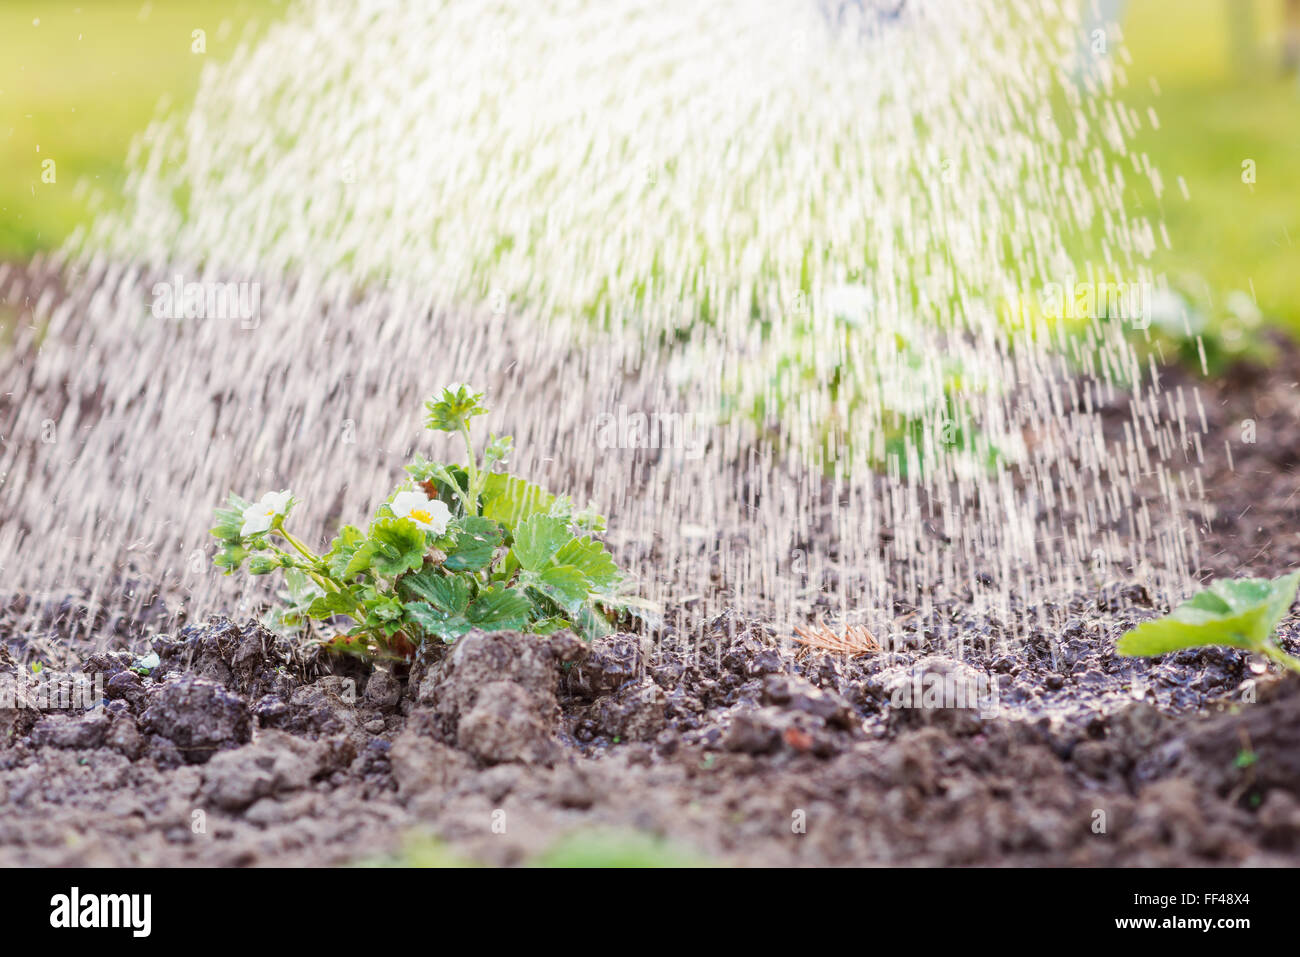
[(422, 515)]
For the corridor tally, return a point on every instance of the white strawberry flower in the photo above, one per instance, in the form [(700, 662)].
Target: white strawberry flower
[(259, 516), (428, 513)]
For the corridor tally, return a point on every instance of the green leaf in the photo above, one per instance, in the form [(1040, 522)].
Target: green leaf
[(563, 584), (386, 609), (498, 450), (330, 604), (299, 588), (437, 622), (298, 593), (263, 564), (549, 626), (1241, 614), (476, 539), (357, 641), (343, 550), (395, 546), (446, 592), (589, 557), (537, 539), (230, 557), (230, 519), (509, 500), (500, 609)]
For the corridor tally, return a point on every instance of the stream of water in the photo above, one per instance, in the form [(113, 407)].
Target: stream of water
[(763, 280)]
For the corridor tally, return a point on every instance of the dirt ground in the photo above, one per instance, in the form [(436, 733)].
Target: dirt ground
[(236, 750)]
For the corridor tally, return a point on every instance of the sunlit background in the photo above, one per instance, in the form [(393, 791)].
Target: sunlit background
[(79, 79)]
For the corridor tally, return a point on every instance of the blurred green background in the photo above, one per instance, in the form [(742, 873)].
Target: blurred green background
[(79, 78)]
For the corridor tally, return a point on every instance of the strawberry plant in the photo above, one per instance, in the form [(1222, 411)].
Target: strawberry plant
[(1242, 614), (456, 547)]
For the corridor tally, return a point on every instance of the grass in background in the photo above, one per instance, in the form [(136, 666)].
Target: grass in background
[(1220, 104), (78, 80)]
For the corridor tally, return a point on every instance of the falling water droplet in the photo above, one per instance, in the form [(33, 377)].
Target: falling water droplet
[(753, 298)]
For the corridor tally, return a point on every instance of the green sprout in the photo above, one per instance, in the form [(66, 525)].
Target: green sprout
[(457, 547), (1243, 613)]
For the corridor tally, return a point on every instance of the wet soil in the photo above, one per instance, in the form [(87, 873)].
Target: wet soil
[(236, 748)]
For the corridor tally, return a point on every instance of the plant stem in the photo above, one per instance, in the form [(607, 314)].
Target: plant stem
[(309, 569), (461, 493), (323, 580), (303, 550), (471, 467)]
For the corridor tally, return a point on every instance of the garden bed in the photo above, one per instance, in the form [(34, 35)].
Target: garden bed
[(235, 749)]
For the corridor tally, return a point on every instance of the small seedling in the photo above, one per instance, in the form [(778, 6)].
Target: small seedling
[(1242, 614), (457, 547), (146, 664)]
